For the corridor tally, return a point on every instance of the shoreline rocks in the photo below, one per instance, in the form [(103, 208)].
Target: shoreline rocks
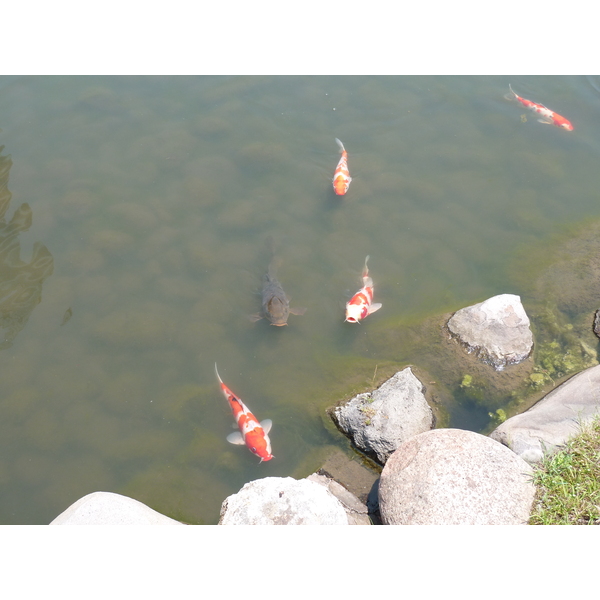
[(430, 476)]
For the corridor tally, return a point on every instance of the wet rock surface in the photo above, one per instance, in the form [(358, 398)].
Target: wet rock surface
[(455, 477), (556, 418), (497, 330), (356, 511), (355, 476), (358, 476)]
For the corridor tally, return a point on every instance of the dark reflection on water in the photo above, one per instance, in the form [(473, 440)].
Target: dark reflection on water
[(20, 282)]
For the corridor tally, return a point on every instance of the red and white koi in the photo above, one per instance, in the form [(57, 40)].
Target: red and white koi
[(361, 304), (252, 433), (547, 116), (341, 177)]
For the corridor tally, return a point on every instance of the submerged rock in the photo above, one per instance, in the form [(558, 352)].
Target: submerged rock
[(455, 477), (497, 330), (282, 501), (356, 511), (379, 421), (554, 419)]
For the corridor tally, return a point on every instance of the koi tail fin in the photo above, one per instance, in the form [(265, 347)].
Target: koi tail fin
[(342, 149), (274, 261), (218, 376), (511, 95), (365, 272)]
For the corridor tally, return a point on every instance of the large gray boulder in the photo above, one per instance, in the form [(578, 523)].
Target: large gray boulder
[(554, 419), (455, 477), (496, 330), (282, 501), (379, 421), (106, 508)]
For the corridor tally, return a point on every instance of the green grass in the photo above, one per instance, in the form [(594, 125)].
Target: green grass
[(568, 483)]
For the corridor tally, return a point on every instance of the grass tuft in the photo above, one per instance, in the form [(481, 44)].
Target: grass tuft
[(568, 482)]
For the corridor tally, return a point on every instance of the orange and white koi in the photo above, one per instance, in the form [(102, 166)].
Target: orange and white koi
[(252, 433), (341, 177), (361, 304), (547, 116)]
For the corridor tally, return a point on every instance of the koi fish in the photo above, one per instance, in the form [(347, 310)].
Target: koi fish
[(547, 116), (252, 433), (360, 305), (341, 177), (275, 303)]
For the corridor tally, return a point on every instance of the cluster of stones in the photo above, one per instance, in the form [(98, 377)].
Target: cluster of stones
[(429, 476)]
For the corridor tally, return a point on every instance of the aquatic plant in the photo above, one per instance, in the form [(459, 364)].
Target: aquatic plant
[(561, 357), (499, 416), (472, 389), (538, 379)]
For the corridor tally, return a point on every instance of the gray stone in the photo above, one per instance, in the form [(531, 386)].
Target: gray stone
[(549, 424), (379, 421), (497, 330), (282, 501), (455, 477), (106, 508)]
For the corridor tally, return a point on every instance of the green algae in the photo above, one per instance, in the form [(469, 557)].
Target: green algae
[(562, 348), (499, 416), (473, 390)]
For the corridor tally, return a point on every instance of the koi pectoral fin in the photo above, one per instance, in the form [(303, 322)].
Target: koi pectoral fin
[(266, 425), (236, 438), (375, 307), (545, 121), (256, 317), (297, 311)]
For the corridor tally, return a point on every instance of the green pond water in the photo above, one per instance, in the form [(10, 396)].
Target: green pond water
[(134, 243)]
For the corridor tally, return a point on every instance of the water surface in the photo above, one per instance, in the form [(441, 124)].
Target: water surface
[(150, 201)]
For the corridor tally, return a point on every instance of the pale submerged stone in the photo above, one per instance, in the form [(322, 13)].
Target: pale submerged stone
[(497, 330)]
